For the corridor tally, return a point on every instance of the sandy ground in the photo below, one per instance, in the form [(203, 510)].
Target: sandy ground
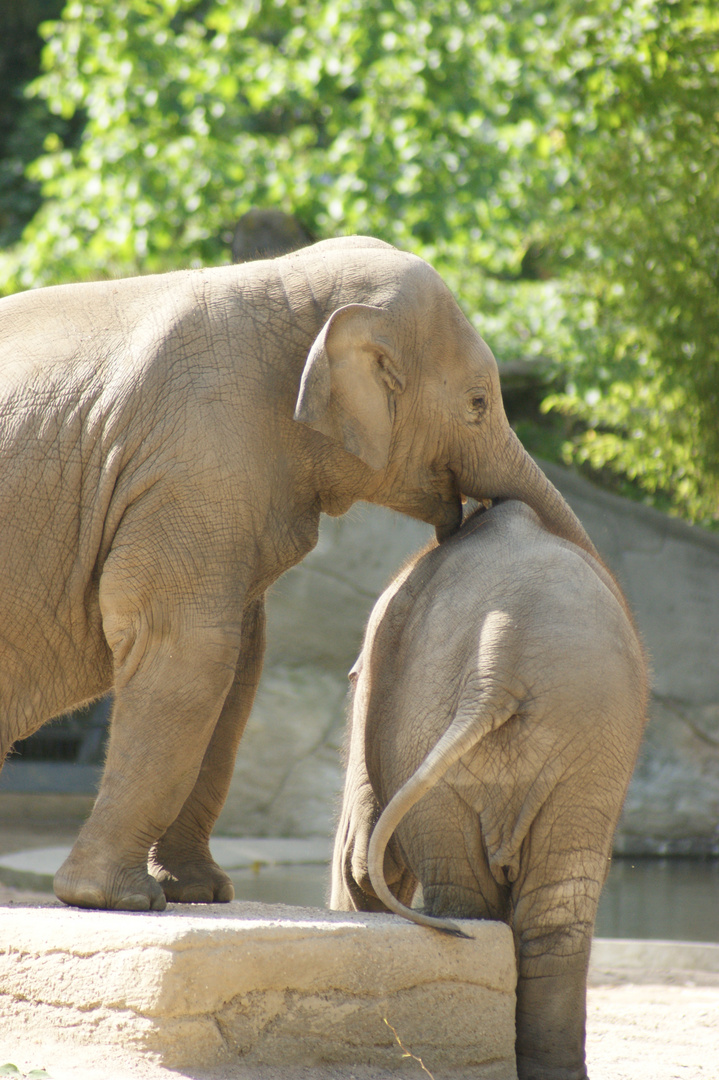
[(664, 1026), (657, 1031)]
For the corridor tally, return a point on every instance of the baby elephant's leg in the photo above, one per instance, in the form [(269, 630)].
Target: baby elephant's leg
[(562, 869), (443, 844), (351, 888)]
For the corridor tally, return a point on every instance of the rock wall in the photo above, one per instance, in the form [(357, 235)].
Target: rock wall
[(289, 775), (670, 573)]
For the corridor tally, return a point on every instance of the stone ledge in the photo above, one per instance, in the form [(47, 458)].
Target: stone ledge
[(652, 957), (261, 984)]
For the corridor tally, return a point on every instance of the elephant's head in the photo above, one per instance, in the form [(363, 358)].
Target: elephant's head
[(411, 389)]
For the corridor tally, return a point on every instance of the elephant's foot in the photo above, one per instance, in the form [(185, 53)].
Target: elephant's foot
[(188, 880), (527, 1069), (110, 886)]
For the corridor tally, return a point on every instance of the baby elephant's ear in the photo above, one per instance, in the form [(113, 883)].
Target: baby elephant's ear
[(350, 381)]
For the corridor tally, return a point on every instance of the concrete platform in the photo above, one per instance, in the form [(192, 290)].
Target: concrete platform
[(256, 984)]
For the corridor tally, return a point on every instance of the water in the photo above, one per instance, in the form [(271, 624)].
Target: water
[(300, 886), (670, 899), (666, 899)]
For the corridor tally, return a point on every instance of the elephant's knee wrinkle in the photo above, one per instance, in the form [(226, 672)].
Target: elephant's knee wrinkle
[(544, 949)]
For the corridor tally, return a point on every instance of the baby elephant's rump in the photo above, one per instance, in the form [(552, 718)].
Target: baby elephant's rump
[(499, 704)]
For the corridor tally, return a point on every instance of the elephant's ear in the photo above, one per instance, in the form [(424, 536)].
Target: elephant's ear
[(350, 381)]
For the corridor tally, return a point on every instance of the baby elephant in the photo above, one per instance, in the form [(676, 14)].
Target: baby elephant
[(499, 704)]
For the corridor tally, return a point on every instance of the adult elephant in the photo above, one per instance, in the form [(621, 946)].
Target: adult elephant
[(167, 444)]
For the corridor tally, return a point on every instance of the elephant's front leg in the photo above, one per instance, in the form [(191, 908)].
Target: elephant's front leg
[(351, 888), (172, 679), (181, 859)]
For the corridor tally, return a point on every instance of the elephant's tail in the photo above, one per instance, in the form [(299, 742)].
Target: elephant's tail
[(483, 709)]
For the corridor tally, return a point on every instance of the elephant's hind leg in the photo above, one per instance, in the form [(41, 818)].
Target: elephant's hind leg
[(562, 869), (168, 698), (181, 860), (443, 841)]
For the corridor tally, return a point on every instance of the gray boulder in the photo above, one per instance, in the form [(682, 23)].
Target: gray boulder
[(262, 234), (670, 573), (288, 775)]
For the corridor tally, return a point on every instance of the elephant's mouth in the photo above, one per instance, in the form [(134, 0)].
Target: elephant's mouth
[(452, 512), (434, 497), (443, 532)]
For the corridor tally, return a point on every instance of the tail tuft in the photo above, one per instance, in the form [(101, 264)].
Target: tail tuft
[(452, 930)]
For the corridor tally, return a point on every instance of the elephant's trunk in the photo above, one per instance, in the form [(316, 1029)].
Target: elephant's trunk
[(519, 477)]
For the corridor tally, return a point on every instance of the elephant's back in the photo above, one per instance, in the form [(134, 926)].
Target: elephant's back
[(565, 606)]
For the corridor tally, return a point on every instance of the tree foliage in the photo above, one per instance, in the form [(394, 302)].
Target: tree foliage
[(556, 162), (402, 117), (23, 123), (643, 232)]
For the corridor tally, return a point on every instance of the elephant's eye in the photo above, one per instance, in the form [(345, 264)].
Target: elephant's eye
[(478, 405)]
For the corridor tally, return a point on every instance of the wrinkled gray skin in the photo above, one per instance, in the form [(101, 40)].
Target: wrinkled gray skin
[(167, 444), (497, 713)]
